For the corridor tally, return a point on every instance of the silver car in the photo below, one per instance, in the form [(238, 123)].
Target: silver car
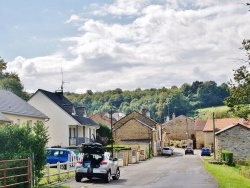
[(97, 163), (167, 151)]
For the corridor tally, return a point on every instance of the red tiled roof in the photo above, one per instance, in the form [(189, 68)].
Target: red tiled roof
[(221, 123), (200, 124)]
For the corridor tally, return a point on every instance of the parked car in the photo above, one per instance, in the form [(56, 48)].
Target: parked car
[(205, 152), (189, 150), (97, 163), (60, 155), (167, 151)]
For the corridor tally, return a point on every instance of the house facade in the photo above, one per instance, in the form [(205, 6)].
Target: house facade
[(235, 138), (213, 126), (199, 134), (181, 128), (68, 125), (137, 129), (15, 110)]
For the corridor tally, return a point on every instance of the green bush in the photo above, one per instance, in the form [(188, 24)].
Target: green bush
[(227, 156), (21, 143), (116, 148)]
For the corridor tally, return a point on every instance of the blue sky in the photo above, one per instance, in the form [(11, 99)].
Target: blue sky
[(127, 44)]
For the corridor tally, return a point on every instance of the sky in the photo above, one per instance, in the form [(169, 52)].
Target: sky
[(128, 44)]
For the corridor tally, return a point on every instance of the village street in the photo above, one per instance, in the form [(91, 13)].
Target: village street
[(175, 171)]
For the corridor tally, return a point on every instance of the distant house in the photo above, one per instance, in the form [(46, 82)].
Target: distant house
[(3, 119), (219, 124), (199, 134), (235, 138), (138, 129), (103, 118), (68, 125), (16, 110), (180, 128)]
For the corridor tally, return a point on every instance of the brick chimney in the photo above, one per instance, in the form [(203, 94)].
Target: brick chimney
[(144, 111), (173, 116)]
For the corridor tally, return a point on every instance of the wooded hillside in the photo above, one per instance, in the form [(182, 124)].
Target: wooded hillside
[(159, 102)]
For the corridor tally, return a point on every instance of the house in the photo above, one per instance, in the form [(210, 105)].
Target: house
[(180, 128), (138, 129), (199, 134), (68, 124), (103, 118), (3, 119), (16, 110), (235, 138), (218, 124)]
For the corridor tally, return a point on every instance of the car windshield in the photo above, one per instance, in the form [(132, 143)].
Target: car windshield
[(166, 148)]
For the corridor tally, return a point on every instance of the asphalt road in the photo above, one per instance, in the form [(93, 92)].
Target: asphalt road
[(176, 171)]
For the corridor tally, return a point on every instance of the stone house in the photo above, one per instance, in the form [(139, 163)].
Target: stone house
[(180, 128), (15, 110), (103, 118), (235, 138), (219, 125), (199, 134), (68, 124), (138, 129)]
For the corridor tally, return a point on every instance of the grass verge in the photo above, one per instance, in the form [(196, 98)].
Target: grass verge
[(226, 176)]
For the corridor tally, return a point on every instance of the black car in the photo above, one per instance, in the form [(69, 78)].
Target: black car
[(189, 150)]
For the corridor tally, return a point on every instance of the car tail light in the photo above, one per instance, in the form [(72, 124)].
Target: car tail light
[(104, 162)]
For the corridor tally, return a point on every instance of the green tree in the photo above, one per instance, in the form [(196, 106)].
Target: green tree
[(239, 98), (23, 142)]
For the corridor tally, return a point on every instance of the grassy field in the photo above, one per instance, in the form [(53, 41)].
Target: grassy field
[(219, 112), (226, 176)]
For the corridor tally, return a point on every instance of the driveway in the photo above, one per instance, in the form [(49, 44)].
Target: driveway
[(175, 171)]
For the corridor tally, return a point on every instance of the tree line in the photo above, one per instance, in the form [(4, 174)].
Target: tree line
[(159, 102)]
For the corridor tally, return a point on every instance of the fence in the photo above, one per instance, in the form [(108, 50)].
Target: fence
[(10, 180), (62, 169)]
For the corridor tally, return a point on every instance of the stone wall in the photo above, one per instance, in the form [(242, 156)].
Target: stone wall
[(180, 128), (132, 130), (199, 139), (236, 140), (208, 138)]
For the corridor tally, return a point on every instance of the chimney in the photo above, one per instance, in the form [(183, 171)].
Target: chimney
[(144, 111), (167, 119), (173, 116)]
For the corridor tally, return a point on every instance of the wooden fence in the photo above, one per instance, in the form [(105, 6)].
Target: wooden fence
[(7, 166)]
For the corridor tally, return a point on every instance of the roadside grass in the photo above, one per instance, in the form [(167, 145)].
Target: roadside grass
[(53, 187), (226, 176), (55, 178)]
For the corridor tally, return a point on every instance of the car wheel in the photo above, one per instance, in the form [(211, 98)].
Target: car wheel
[(78, 178), (89, 177), (107, 177), (117, 175)]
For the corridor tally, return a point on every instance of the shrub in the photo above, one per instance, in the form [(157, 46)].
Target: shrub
[(227, 156)]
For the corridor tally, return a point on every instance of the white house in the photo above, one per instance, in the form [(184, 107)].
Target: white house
[(68, 124), (15, 110)]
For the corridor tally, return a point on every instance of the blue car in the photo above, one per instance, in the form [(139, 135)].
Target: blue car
[(55, 155), (205, 152)]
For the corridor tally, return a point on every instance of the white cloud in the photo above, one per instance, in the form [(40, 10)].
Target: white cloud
[(161, 45)]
